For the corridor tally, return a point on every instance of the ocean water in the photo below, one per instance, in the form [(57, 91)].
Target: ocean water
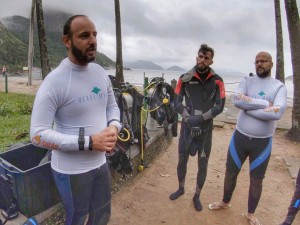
[(136, 77)]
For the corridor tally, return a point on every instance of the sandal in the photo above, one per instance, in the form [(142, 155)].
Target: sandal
[(218, 206), (253, 221)]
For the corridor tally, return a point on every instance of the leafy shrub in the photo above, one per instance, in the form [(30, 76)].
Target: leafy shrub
[(24, 108), (4, 110)]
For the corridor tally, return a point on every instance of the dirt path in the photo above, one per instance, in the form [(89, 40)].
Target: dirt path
[(19, 85), (145, 201)]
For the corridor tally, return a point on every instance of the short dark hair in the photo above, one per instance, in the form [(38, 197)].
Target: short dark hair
[(67, 26), (205, 48)]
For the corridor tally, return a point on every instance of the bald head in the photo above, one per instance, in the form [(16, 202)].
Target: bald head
[(265, 55)]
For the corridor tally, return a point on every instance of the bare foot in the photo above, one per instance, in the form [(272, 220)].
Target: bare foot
[(218, 205), (252, 219)]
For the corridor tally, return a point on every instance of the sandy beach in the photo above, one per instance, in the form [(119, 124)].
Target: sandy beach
[(19, 85)]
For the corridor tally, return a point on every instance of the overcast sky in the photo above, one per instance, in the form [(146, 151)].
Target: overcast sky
[(169, 32)]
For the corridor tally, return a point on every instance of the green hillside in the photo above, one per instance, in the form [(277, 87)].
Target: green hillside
[(12, 50), (14, 41)]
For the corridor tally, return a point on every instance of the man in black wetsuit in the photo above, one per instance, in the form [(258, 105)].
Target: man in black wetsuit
[(204, 94)]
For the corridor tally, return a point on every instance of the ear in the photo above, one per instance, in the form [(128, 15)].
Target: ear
[(211, 62), (66, 40)]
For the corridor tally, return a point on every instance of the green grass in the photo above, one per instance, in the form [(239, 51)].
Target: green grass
[(15, 114)]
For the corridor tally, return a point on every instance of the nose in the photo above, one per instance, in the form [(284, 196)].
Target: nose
[(92, 39), (199, 59)]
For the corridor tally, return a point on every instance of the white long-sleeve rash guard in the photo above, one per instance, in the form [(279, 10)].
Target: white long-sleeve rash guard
[(253, 98), (71, 97)]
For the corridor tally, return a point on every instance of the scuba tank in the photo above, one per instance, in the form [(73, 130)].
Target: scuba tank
[(151, 123), (129, 101)]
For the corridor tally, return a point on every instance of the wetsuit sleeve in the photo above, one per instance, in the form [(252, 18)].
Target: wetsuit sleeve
[(244, 102), (274, 112), (179, 94), (46, 103), (219, 103), (112, 109)]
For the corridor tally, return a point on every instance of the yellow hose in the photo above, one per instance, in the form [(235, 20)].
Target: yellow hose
[(142, 138), (128, 135)]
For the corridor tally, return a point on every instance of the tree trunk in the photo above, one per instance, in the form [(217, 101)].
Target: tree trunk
[(30, 43), (279, 43), (42, 39), (293, 21), (119, 59)]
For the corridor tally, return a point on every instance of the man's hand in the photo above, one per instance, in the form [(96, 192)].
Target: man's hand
[(105, 141), (194, 121), (242, 97), (272, 109)]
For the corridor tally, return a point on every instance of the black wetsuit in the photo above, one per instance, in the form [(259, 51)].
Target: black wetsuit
[(295, 204), (204, 94)]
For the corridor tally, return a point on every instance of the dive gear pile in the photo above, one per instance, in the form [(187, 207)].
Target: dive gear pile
[(133, 107)]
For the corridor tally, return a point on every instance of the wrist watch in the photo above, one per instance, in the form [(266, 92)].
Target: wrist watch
[(81, 139)]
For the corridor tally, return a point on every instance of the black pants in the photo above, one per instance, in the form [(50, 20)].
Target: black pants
[(259, 151), (204, 142), (295, 203)]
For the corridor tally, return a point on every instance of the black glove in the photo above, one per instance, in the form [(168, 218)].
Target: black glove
[(196, 132), (195, 121)]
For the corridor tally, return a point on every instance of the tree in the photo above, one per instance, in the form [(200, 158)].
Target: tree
[(293, 21), (42, 39), (119, 59), (30, 44), (279, 42)]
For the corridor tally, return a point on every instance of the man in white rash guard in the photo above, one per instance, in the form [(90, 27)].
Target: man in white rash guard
[(262, 101), (75, 114)]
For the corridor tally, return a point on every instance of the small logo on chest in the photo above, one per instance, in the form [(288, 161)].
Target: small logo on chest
[(193, 82), (96, 90)]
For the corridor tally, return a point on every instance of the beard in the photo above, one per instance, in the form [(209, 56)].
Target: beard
[(202, 69), (264, 74), (80, 56)]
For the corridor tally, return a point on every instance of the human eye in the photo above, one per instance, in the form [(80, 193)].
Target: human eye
[(261, 61), (84, 35)]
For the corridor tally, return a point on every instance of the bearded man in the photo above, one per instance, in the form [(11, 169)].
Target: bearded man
[(75, 114), (200, 97), (262, 101)]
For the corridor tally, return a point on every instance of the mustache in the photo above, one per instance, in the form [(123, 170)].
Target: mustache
[(260, 67), (92, 48)]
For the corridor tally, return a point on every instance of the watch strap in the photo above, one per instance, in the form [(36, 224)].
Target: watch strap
[(81, 139), (90, 143)]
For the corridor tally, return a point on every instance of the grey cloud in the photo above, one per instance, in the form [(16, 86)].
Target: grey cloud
[(169, 32)]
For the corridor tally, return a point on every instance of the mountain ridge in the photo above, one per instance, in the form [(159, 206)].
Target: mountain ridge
[(14, 55), (149, 65), (14, 44)]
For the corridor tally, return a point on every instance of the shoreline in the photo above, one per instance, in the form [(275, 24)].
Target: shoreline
[(17, 84)]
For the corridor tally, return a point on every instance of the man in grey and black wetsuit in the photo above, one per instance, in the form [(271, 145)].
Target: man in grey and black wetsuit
[(262, 101)]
